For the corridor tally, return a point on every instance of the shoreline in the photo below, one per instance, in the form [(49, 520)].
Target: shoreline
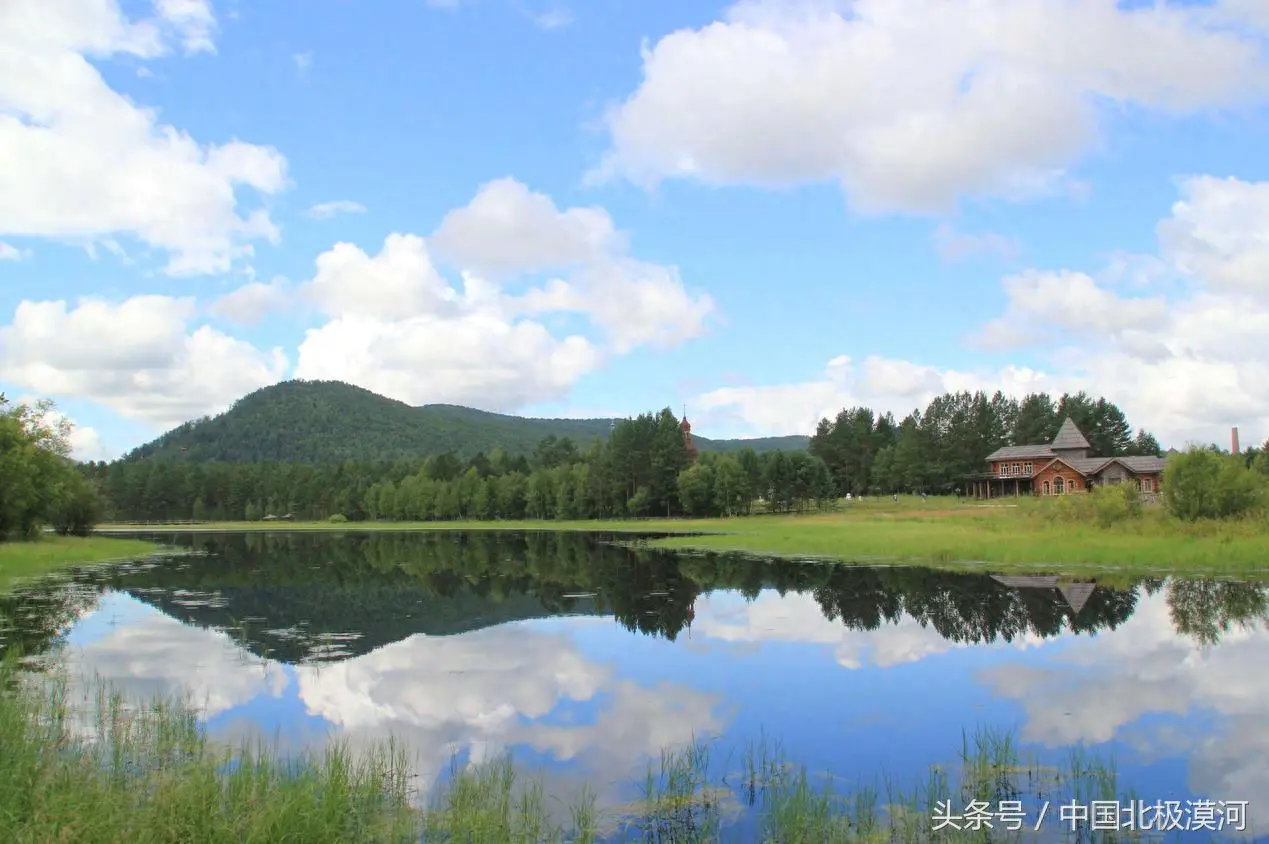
[(962, 538), (21, 560)]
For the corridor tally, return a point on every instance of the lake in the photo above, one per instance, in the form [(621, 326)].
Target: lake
[(587, 656)]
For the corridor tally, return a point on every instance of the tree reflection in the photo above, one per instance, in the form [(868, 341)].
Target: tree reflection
[(285, 594), (1208, 609)]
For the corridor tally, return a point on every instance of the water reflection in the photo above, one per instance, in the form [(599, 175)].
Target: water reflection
[(468, 644)]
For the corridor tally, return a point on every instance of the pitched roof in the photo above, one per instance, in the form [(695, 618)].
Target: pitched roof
[(1140, 465), (1069, 436), (1013, 452)]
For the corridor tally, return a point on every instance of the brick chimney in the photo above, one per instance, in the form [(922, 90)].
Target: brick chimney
[(1233, 440)]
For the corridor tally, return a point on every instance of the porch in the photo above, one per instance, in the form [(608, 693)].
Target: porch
[(986, 485)]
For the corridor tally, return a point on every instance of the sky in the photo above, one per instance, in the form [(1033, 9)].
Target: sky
[(760, 212)]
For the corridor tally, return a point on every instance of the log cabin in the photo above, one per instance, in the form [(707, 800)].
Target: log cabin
[(1061, 467)]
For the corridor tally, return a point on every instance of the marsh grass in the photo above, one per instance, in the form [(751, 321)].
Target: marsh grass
[(110, 772), (107, 771), (685, 799), (19, 560)]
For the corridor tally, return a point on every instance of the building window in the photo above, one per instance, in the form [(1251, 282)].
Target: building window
[(1027, 468), (1017, 468), (1046, 488), (1057, 486)]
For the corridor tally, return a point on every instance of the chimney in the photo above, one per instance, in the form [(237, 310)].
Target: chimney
[(1233, 440)]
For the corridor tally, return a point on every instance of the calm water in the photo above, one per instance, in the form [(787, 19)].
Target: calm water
[(586, 658)]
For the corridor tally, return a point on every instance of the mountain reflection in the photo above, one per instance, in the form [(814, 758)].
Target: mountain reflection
[(304, 597)]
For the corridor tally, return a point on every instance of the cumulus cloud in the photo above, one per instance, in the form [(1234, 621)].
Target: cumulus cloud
[(1219, 234), (85, 162), (248, 304), (508, 231), (136, 357), (327, 210), (779, 93), (1187, 364), (398, 328)]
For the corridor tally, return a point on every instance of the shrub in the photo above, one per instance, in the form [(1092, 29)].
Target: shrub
[(337, 518), (1107, 505), (1204, 484)]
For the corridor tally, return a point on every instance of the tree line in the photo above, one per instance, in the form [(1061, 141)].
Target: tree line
[(642, 469), (933, 450)]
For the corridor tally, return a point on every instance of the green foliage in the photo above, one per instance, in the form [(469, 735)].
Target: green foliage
[(643, 469), (933, 450), (332, 422), (337, 519), (1201, 483), (1107, 505), (78, 506), (38, 482)]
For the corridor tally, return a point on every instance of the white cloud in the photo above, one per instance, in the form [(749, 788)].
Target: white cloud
[(9, 252), (1187, 364), (508, 229), (958, 246), (302, 61), (249, 303), (327, 210), (398, 328), (84, 161), (193, 22), (781, 92), (1219, 233), (135, 357)]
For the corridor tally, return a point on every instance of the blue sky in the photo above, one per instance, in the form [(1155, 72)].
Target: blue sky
[(764, 211)]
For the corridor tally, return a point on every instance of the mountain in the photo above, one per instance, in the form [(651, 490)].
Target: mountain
[(330, 421)]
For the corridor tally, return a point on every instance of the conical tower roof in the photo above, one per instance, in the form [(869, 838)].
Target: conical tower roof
[(1069, 436)]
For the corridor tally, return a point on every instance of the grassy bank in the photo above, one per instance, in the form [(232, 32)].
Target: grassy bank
[(29, 559), (107, 773), (1029, 535)]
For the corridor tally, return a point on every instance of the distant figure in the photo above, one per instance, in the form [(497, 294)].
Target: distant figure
[(923, 496), (895, 498), (848, 496)]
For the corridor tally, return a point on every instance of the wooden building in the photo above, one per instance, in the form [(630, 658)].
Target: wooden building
[(1061, 467)]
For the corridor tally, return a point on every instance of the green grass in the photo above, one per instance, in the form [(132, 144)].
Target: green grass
[(149, 775), (20, 560), (97, 770), (1027, 534)]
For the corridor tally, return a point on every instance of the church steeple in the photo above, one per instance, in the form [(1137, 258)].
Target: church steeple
[(686, 428)]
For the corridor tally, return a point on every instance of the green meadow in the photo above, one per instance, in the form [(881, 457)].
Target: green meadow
[(32, 558), (1032, 535)]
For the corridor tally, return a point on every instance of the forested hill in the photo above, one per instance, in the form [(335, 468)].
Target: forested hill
[(331, 422)]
